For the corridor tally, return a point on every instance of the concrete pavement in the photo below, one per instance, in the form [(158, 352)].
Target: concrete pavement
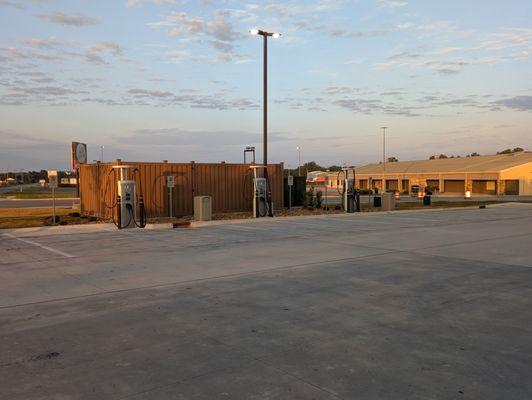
[(425, 304)]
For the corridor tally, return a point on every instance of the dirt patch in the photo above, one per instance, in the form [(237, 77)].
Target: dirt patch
[(35, 217)]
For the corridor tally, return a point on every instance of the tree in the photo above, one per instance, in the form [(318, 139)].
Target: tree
[(510, 151), (442, 156)]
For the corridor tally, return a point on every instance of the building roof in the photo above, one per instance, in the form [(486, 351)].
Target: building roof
[(464, 164)]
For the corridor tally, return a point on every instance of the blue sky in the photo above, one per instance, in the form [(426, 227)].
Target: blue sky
[(181, 80)]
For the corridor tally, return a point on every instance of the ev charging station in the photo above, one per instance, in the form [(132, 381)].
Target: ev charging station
[(126, 200), (262, 197), (348, 192)]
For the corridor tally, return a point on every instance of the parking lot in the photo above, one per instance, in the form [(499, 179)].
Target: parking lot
[(407, 305)]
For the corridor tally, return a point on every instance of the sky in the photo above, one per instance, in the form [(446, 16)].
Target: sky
[(181, 80)]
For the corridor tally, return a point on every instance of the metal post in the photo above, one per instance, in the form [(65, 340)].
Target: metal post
[(170, 201), (298, 161), (53, 205), (265, 138), (289, 192)]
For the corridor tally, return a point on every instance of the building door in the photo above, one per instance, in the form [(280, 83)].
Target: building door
[(511, 187), (484, 187), (454, 186)]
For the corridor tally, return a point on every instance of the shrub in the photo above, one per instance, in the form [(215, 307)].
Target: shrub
[(319, 198), (309, 201)]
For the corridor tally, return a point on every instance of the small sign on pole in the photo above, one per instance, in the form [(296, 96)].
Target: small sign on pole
[(290, 180)]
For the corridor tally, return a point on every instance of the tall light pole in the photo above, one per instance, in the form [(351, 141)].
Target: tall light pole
[(383, 157), (298, 161), (265, 35), (384, 147)]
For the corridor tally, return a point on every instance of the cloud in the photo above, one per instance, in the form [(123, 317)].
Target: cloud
[(150, 93), (71, 20), (19, 149), (10, 53), (12, 4), (215, 101), (372, 106), (181, 137), (186, 25), (393, 3), (94, 51), (43, 43), (133, 3), (112, 47), (519, 103)]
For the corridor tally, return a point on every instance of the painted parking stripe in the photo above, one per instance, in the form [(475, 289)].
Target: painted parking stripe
[(61, 253)]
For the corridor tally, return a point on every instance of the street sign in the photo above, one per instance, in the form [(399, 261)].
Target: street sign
[(52, 179), (290, 180), (170, 182)]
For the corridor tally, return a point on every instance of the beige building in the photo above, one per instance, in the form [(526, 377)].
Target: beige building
[(509, 174)]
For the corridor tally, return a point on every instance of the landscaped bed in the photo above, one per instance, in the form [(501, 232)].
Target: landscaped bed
[(34, 217)]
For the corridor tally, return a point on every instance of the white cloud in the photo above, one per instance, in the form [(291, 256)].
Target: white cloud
[(71, 20), (133, 3)]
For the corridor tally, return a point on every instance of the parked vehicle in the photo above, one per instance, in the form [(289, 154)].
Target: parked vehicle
[(414, 190)]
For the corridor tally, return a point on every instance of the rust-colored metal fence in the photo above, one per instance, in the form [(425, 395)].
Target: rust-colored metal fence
[(229, 185)]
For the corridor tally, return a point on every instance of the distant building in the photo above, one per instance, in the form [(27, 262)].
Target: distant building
[(317, 178), (509, 174)]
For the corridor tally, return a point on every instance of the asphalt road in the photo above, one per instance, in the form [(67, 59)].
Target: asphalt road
[(16, 203), (407, 305)]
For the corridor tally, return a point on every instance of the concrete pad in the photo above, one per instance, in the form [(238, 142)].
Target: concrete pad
[(411, 305)]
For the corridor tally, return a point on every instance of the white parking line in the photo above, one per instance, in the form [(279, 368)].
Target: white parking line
[(62, 253)]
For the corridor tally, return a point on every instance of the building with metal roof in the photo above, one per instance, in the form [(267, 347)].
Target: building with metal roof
[(499, 174)]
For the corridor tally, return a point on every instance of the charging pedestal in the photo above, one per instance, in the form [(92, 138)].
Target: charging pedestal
[(127, 194), (262, 199), (350, 196)]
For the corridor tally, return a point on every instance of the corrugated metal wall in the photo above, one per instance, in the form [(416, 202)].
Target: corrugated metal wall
[(229, 185)]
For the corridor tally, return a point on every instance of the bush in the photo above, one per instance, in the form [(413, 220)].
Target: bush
[(319, 198), (309, 200)]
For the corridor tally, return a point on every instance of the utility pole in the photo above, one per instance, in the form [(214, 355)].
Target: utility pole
[(384, 148), (384, 157)]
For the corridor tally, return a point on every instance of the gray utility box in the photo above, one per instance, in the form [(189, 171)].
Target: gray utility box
[(202, 208), (388, 202)]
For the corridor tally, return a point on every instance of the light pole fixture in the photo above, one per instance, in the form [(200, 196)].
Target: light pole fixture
[(265, 35), (249, 149)]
